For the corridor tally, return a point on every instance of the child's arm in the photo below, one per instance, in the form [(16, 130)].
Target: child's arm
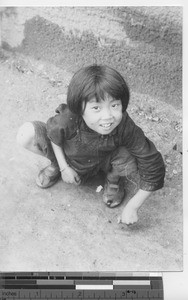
[(130, 212), (68, 175), (151, 167)]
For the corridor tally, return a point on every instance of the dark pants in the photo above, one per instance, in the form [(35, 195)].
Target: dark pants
[(120, 163)]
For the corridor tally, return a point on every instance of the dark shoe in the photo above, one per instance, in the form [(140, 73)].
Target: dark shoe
[(113, 193), (48, 176)]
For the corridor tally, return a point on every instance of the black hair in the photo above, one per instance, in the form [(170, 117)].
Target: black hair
[(96, 81)]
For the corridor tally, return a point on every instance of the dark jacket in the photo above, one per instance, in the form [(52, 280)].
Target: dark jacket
[(85, 149)]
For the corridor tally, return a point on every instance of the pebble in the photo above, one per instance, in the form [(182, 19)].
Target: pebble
[(99, 188), (168, 161), (155, 119), (175, 172)]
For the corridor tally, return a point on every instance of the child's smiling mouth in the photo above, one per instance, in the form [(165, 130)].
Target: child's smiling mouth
[(106, 125)]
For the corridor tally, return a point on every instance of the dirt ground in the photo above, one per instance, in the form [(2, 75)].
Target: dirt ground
[(67, 227)]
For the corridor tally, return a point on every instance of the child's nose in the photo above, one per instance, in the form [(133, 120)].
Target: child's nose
[(107, 114)]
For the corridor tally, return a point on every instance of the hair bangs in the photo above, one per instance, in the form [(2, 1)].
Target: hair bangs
[(100, 92), (114, 89)]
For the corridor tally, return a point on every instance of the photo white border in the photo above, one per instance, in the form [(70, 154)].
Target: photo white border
[(175, 283)]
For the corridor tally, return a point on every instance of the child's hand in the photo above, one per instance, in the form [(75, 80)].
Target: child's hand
[(70, 176), (129, 215)]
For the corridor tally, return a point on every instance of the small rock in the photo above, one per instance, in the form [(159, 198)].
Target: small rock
[(155, 119), (99, 188), (175, 172), (148, 117), (168, 161)]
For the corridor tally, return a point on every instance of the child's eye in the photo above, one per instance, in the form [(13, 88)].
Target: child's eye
[(96, 108), (116, 105)]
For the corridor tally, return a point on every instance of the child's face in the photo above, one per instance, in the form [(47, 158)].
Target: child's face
[(103, 116)]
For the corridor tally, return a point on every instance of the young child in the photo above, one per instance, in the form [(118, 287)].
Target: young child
[(94, 132)]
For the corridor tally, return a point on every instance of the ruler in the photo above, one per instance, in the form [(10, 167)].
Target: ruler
[(80, 285)]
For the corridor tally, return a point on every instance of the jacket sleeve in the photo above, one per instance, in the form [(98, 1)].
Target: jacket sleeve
[(150, 162), (61, 126)]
